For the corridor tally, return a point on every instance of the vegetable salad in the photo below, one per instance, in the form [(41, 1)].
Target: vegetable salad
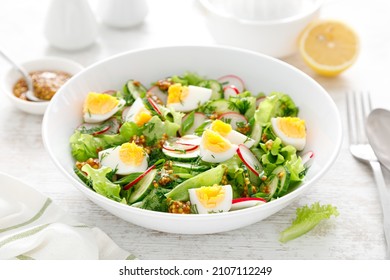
[(190, 145)]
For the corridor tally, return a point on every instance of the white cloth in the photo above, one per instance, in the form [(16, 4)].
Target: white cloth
[(33, 227)]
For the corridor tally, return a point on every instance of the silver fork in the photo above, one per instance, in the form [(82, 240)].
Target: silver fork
[(358, 107)]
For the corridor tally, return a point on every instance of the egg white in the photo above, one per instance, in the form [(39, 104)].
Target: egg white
[(297, 143), (196, 96), (97, 118), (238, 138), (223, 206), (110, 158), (135, 109)]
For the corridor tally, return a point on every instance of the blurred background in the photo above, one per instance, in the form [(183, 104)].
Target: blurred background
[(182, 22)]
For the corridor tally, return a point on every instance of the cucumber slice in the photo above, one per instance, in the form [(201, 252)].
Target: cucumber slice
[(215, 86), (187, 156), (136, 89), (278, 182), (143, 187), (222, 106), (180, 167)]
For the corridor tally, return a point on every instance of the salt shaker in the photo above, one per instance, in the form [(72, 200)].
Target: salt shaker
[(122, 13), (70, 24)]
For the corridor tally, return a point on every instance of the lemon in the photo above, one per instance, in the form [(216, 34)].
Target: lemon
[(329, 47)]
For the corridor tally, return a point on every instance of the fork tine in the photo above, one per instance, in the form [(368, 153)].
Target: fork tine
[(366, 108), (366, 104)]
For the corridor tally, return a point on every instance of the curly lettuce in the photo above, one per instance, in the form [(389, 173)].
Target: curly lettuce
[(307, 217), (101, 184)]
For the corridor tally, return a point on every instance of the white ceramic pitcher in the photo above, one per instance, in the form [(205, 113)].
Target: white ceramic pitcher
[(122, 13), (70, 24)]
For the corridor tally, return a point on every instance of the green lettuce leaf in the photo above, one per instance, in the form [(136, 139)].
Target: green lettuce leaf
[(101, 184), (306, 219)]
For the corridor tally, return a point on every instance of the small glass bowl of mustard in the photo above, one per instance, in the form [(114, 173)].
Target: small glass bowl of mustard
[(48, 74)]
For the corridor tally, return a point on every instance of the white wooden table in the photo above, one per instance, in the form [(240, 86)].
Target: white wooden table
[(356, 234)]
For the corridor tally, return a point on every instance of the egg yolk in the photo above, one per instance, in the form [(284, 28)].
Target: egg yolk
[(210, 197), (99, 103), (131, 154), (292, 127), (221, 127), (177, 93), (215, 142), (142, 117)]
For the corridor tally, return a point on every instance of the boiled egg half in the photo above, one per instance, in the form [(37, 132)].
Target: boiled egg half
[(187, 98), (291, 130), (127, 158), (215, 148), (138, 113), (213, 199), (230, 134), (99, 107)]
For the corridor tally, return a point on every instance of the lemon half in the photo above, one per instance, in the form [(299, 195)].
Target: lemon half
[(329, 47)]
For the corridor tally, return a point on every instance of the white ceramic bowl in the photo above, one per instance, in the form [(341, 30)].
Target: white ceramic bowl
[(260, 73), (271, 27), (44, 63)]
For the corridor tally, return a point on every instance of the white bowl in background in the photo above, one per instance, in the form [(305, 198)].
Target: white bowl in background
[(44, 63), (260, 73), (271, 27)]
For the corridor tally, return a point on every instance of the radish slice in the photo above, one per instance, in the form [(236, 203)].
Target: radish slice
[(189, 140), (259, 100), (230, 91), (93, 128), (136, 180), (246, 202), (307, 158), (156, 91), (232, 80), (174, 146), (199, 119), (234, 119), (154, 106), (124, 113), (114, 126), (249, 159)]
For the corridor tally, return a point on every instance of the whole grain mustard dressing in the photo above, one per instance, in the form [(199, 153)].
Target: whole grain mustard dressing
[(45, 83)]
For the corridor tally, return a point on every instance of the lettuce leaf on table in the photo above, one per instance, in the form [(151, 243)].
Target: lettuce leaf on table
[(306, 219)]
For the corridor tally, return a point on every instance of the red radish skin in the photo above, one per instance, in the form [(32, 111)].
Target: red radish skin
[(307, 158), (106, 128), (230, 91), (154, 105), (242, 199), (248, 158), (232, 80), (136, 180), (246, 202)]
